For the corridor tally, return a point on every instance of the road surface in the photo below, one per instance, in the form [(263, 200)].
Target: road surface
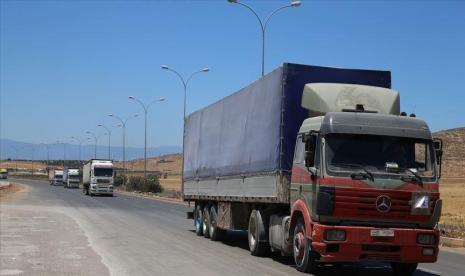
[(48, 230)]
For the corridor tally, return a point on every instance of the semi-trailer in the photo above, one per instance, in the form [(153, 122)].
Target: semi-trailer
[(97, 177), (71, 178), (317, 163), (55, 177)]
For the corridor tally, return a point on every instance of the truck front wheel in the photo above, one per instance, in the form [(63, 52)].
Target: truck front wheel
[(403, 268), (303, 258), (258, 242)]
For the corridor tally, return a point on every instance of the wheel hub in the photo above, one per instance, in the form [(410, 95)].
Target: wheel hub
[(299, 245)]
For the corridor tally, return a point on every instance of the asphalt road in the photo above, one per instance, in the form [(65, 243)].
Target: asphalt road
[(47, 230)]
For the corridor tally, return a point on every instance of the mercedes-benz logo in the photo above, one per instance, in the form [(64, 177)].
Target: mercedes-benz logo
[(383, 203)]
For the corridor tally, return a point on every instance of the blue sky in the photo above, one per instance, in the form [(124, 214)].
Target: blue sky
[(64, 65)]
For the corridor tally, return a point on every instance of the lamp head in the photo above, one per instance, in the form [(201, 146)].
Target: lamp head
[(206, 69), (296, 4), (161, 99), (164, 67), (131, 97), (232, 1)]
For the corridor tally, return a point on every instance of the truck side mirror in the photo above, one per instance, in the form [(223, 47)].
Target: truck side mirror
[(310, 144), (309, 159), (437, 144)]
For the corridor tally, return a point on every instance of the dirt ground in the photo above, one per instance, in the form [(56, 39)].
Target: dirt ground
[(13, 188)]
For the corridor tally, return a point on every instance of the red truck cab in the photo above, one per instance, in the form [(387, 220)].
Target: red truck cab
[(364, 187)]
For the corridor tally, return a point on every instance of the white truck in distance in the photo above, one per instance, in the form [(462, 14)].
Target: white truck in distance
[(55, 177), (71, 178), (97, 177)]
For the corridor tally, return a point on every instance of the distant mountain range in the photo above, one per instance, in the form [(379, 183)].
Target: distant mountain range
[(22, 150)]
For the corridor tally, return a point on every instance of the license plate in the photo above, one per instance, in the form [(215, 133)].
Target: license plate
[(382, 233)]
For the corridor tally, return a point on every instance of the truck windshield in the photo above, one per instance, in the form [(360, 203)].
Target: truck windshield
[(58, 176), (74, 176), (381, 155), (103, 172)]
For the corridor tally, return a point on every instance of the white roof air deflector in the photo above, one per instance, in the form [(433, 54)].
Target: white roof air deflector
[(320, 98)]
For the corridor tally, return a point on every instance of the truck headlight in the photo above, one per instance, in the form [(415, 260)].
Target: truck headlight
[(426, 239), (335, 235)]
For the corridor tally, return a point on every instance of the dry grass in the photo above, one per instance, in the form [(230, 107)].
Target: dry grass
[(453, 209), (23, 165)]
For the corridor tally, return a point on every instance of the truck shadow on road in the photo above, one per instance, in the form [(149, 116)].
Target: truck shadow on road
[(239, 239)]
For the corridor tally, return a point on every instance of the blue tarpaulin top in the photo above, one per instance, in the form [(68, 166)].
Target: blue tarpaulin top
[(253, 131)]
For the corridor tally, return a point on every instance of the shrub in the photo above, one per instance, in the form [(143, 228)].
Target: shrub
[(137, 183), (120, 179)]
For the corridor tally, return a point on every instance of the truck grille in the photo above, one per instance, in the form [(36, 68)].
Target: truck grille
[(361, 203), (103, 180)]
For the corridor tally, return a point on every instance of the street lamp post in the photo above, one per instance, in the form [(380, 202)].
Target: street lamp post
[(265, 24), (109, 139), (80, 144), (146, 109), (185, 82), (95, 143), (47, 146), (32, 160), (16, 151), (64, 151), (123, 125)]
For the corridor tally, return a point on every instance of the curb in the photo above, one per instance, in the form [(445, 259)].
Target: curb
[(452, 242), (159, 198)]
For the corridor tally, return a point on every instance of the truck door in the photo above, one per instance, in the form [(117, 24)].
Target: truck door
[(305, 170)]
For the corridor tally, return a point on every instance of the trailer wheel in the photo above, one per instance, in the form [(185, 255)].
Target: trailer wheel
[(198, 222), (257, 235), (215, 232), (303, 257), (403, 268), (206, 221)]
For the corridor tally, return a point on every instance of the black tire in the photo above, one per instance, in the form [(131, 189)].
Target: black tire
[(85, 191), (301, 248), (403, 268), (257, 234), (206, 221), (216, 233), (198, 222)]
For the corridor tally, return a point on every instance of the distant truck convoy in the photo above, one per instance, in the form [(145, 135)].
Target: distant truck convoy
[(71, 178), (55, 177), (3, 174), (317, 163), (97, 177)]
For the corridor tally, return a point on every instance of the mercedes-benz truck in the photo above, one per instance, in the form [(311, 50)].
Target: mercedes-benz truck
[(97, 177), (71, 178), (317, 163)]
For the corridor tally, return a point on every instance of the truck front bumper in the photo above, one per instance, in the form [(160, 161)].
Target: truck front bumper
[(73, 184), (101, 189), (360, 245)]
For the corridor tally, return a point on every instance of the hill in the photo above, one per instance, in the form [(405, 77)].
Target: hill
[(453, 161)]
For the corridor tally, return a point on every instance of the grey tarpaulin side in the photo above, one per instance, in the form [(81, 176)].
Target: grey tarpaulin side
[(239, 134)]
